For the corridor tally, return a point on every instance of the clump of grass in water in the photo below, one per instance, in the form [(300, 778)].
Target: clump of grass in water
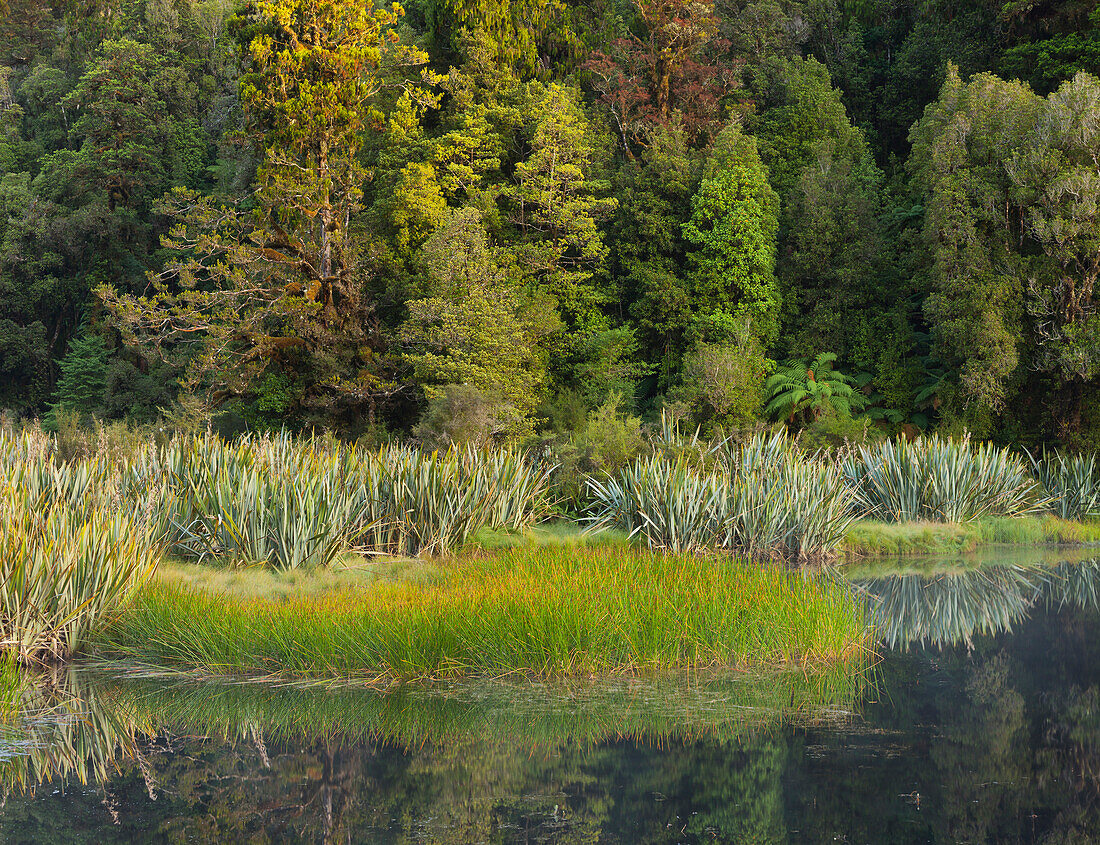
[(545, 611)]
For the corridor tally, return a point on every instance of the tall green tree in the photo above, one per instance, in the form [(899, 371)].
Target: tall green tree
[(477, 329), (556, 204), (83, 375), (277, 288), (733, 229), (976, 305), (1056, 185)]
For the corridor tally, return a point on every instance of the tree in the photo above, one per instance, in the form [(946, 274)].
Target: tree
[(723, 383), (1056, 184), (810, 388), (832, 255), (670, 70), (83, 375), (476, 330), (278, 286), (976, 307), (733, 228), (555, 205), (520, 32), (123, 118)]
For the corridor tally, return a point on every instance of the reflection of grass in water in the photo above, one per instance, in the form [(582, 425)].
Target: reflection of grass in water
[(544, 610), (1075, 584), (83, 723), (679, 706), (59, 728)]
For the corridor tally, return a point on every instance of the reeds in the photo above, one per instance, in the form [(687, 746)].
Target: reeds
[(543, 611), (763, 498), (1071, 482), (65, 569), (940, 481)]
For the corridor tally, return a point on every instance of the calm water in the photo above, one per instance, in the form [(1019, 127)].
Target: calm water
[(980, 724)]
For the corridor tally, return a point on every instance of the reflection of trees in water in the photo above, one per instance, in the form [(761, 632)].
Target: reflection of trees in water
[(954, 608)]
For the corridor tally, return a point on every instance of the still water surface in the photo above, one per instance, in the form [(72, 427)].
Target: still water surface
[(980, 724)]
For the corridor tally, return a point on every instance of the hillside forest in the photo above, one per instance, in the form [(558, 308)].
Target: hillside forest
[(510, 219)]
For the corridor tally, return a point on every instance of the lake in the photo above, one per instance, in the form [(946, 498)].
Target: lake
[(980, 722)]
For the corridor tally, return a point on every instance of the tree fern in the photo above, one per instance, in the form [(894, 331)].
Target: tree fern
[(810, 388)]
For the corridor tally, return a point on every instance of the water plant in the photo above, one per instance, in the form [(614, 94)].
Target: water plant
[(1071, 482), (939, 480), (544, 611)]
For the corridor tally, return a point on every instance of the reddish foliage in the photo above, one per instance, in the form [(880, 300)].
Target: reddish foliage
[(674, 69)]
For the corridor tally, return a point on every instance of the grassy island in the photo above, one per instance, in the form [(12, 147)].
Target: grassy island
[(544, 610)]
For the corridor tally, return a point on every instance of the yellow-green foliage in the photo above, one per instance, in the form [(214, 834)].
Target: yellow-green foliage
[(544, 611), (65, 569)]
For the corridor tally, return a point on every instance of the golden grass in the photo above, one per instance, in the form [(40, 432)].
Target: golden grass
[(544, 611)]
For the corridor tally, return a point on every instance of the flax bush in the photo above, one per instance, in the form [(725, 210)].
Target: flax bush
[(764, 498), (1071, 483), (65, 569), (940, 481)]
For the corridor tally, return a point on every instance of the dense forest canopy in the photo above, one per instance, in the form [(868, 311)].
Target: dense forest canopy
[(465, 219)]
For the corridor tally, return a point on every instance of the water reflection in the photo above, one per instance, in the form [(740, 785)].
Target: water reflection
[(971, 733), (953, 607), (173, 758)]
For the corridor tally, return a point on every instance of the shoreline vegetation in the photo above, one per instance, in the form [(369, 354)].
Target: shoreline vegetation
[(312, 557), (533, 610)]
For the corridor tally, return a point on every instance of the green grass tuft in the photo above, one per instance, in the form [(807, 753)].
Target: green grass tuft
[(544, 611)]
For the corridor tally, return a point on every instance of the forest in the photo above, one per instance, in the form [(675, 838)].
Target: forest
[(504, 220)]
